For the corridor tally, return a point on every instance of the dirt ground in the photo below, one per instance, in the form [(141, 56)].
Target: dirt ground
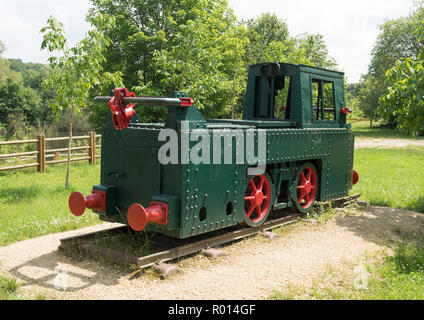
[(387, 143), (252, 269)]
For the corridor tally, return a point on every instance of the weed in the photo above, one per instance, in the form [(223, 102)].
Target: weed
[(8, 288)]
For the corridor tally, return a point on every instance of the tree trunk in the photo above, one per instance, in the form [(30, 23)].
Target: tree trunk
[(69, 150), (234, 82)]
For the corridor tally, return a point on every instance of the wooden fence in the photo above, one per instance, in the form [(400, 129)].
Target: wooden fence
[(42, 153)]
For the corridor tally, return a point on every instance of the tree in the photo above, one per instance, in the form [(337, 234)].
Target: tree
[(316, 51), (143, 27), (212, 71), (270, 40), (190, 45), (78, 70), (368, 92), (263, 31), (396, 40), (404, 99), (197, 46), (5, 70), (18, 100)]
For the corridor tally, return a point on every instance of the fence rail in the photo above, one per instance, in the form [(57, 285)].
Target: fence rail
[(42, 153)]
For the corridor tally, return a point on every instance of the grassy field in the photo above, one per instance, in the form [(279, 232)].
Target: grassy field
[(378, 131), (391, 177), (33, 204)]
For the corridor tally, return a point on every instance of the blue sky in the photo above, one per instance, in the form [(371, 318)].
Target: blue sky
[(349, 27)]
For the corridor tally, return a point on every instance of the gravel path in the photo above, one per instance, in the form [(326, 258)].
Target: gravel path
[(252, 269), (387, 143)]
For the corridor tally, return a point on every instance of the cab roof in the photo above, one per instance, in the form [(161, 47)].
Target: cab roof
[(301, 68)]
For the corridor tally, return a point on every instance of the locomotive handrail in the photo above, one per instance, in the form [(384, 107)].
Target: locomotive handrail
[(122, 103), (327, 110), (147, 101)]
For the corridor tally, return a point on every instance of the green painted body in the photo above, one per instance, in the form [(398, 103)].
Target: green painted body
[(206, 197)]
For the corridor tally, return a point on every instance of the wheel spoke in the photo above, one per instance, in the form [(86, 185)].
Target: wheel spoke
[(307, 198), (309, 176), (302, 176), (250, 211), (258, 210), (253, 186), (301, 196), (261, 184), (250, 198)]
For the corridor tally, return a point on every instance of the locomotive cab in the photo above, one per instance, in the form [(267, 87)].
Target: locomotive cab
[(298, 95)]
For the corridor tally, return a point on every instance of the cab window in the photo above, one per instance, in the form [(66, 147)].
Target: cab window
[(323, 100), (282, 98)]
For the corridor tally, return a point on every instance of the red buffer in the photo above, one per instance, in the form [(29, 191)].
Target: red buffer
[(138, 217), (355, 177), (78, 203)]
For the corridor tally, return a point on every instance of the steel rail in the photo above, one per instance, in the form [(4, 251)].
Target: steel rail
[(178, 251), (185, 250)]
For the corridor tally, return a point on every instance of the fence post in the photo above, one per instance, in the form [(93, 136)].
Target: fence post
[(92, 150), (41, 146)]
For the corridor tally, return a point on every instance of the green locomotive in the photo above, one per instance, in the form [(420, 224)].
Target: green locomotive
[(190, 175)]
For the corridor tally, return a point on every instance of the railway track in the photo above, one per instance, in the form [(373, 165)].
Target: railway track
[(163, 249)]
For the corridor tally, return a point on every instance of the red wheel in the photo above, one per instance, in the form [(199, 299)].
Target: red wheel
[(307, 188), (258, 200)]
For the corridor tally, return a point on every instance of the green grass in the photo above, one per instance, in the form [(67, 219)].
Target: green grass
[(363, 130), (137, 244), (8, 288), (400, 277), (33, 204), (391, 177)]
